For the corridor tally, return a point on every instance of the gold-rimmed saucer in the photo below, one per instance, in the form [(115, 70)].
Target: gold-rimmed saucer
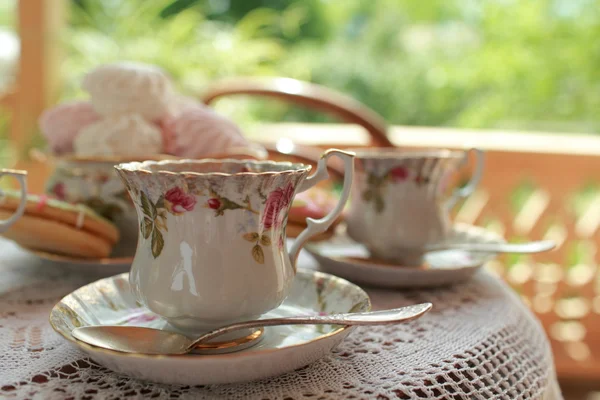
[(344, 257), (282, 349)]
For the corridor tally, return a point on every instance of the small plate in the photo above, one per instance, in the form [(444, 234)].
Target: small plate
[(283, 348), (105, 266), (346, 258)]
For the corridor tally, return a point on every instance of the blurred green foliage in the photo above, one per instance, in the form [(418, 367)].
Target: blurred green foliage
[(464, 63), (8, 13)]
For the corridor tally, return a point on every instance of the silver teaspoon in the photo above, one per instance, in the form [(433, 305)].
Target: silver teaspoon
[(523, 248), (135, 339)]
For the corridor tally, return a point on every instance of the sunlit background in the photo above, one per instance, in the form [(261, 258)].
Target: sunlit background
[(462, 63), (476, 64)]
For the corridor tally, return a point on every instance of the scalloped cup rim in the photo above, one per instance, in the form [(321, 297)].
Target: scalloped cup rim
[(144, 167), (380, 153)]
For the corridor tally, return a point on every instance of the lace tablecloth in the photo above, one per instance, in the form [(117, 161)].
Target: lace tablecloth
[(479, 342)]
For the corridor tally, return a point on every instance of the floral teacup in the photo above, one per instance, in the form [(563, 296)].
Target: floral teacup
[(93, 182), (398, 205), (212, 235)]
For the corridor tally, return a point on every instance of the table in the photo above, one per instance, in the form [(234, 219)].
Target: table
[(479, 342)]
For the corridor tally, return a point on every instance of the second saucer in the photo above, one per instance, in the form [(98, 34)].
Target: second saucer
[(346, 258)]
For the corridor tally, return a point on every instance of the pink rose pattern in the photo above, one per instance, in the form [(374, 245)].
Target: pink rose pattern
[(178, 202), (272, 217), (399, 174), (396, 175), (59, 191), (278, 200), (154, 222), (214, 203)]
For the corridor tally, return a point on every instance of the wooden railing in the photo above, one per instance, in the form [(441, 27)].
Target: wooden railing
[(38, 81), (535, 185)]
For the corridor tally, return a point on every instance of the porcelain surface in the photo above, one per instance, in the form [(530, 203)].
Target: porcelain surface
[(93, 182), (284, 348), (346, 258), (399, 202), (212, 237)]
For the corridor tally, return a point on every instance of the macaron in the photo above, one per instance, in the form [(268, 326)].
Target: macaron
[(58, 227)]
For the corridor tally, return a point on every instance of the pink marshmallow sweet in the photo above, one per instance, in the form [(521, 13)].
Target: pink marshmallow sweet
[(198, 131), (61, 124)]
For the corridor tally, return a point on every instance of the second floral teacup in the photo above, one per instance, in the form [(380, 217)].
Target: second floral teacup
[(399, 204), (212, 235)]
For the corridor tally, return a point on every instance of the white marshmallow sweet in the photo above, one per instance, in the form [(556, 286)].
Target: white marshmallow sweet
[(129, 88), (119, 135)]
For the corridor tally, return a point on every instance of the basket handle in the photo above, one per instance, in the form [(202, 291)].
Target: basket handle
[(308, 95)]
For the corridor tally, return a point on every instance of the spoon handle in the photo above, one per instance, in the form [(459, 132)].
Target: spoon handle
[(523, 248), (383, 317)]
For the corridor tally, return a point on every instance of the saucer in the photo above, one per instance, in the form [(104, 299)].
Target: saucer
[(282, 349), (105, 266), (346, 258)]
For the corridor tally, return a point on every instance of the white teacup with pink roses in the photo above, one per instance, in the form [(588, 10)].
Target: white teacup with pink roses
[(212, 247), (399, 204)]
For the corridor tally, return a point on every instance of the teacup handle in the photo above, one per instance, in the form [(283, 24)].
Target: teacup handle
[(21, 177), (466, 190), (316, 226)]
